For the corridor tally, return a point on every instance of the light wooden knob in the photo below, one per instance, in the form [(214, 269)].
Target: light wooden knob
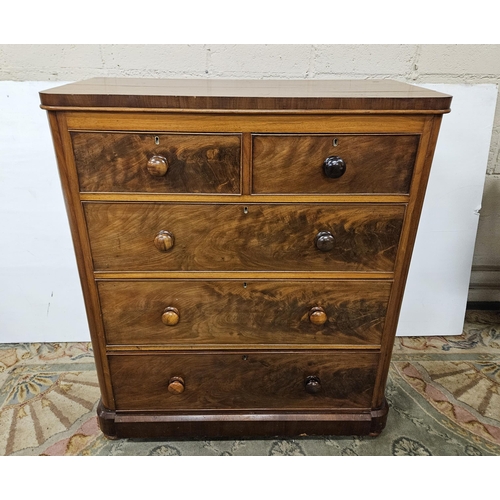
[(176, 385), (317, 316), (170, 316), (157, 166), (164, 241)]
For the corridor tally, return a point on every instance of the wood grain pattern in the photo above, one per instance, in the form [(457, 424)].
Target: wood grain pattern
[(217, 237), (417, 195), (236, 381), (376, 164), (272, 122), (243, 312), (81, 245), (197, 163), (236, 94)]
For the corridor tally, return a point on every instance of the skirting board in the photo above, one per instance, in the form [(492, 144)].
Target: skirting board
[(483, 306), (484, 287)]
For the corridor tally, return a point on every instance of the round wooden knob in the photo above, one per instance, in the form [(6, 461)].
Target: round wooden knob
[(312, 384), (176, 385), (334, 167), (164, 241), (317, 316), (170, 316), (157, 166), (324, 241)]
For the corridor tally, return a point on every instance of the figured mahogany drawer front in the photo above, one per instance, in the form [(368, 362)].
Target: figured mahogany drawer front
[(355, 164), (233, 237), (237, 312), (234, 381), (162, 163)]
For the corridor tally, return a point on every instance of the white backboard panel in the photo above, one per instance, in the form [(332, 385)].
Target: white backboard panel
[(436, 292)]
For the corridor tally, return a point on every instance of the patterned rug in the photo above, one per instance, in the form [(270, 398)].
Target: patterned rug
[(443, 392)]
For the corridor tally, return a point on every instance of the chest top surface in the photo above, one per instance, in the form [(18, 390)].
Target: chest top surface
[(271, 95)]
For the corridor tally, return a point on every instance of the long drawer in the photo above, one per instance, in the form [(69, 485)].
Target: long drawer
[(236, 237), (163, 163), (161, 312), (333, 164), (238, 381)]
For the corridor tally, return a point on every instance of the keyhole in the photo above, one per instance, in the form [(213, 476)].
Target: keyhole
[(244, 285), (157, 140), (335, 142), (245, 210)]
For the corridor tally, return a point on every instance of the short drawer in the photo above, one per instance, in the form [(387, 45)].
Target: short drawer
[(161, 163), (239, 380), (235, 312), (234, 237), (355, 164)]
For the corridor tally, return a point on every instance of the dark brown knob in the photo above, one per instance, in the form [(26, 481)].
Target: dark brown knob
[(164, 241), (157, 166), (176, 385), (334, 167), (170, 316), (324, 241), (312, 384), (317, 316)]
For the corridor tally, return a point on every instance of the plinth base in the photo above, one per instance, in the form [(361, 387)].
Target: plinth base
[(217, 425)]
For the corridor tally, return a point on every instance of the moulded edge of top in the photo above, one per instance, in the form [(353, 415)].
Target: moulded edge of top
[(258, 95)]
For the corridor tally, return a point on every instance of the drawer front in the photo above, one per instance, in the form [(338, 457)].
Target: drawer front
[(237, 381), (372, 163), (163, 163), (220, 237), (237, 312)]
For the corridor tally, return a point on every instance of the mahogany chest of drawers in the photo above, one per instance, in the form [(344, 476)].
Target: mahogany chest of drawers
[(243, 246)]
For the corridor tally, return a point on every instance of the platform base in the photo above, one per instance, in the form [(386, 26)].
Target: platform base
[(148, 425)]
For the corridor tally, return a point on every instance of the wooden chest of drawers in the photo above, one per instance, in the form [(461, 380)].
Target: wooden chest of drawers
[(243, 246)]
